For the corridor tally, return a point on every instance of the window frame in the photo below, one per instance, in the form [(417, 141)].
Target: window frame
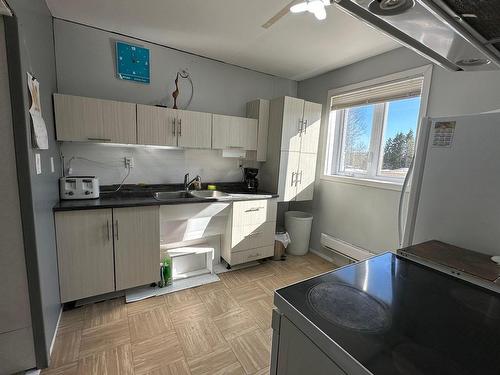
[(331, 157)]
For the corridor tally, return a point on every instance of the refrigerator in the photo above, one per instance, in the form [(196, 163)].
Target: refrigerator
[(453, 190)]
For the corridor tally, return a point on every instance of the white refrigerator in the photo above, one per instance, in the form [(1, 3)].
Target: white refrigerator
[(454, 190)]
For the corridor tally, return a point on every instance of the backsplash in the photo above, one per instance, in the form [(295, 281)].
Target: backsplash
[(151, 165)]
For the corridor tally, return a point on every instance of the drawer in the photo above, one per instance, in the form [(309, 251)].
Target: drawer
[(252, 254), (254, 212), (252, 236)]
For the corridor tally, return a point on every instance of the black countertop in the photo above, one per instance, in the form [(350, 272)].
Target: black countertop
[(142, 195), (394, 317)]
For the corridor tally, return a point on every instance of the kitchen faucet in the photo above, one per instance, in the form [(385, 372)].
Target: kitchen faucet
[(188, 184)]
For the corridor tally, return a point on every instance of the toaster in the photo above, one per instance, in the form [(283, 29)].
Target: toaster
[(79, 187)]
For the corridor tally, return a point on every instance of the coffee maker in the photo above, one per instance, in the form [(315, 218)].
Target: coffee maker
[(251, 181)]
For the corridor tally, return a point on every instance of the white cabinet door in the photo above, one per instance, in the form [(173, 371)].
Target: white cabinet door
[(289, 165), (194, 129), (156, 126), (311, 127), (305, 177), (137, 246), (88, 119), (234, 132), (84, 253), (259, 110), (119, 121), (292, 121)]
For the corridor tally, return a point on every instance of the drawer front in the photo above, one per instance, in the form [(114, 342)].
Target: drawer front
[(252, 254), (252, 236), (254, 212)]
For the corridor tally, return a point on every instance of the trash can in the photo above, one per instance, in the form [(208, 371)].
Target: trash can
[(298, 225), (281, 241)]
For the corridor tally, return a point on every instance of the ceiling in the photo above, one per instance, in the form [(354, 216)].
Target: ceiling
[(296, 47)]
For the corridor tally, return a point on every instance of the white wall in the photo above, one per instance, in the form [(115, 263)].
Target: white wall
[(86, 66), (367, 216)]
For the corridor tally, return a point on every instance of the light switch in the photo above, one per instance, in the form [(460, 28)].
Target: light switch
[(38, 164), (52, 169)]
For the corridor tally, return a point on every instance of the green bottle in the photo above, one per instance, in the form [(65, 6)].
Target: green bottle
[(167, 270)]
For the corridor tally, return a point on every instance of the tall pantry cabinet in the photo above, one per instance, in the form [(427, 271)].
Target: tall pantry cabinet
[(293, 137)]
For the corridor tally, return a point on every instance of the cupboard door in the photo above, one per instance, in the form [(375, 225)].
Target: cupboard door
[(225, 132), (234, 132), (78, 118), (194, 129), (293, 109), (306, 176), (311, 127), (156, 126), (289, 165), (137, 246), (248, 131), (119, 121), (84, 253), (259, 110)]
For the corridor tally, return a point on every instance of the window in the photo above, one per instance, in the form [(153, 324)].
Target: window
[(372, 131)]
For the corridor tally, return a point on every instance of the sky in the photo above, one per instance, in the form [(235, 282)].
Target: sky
[(402, 116)]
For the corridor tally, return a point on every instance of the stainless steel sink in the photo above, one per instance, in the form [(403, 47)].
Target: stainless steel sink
[(166, 195), (208, 194)]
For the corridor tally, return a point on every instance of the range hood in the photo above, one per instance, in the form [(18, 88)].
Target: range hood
[(459, 35)]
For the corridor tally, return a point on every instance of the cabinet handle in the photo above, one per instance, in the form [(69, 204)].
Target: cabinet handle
[(116, 227), (99, 139), (107, 227), (293, 177), (304, 126), (173, 127), (254, 209), (300, 125), (253, 255), (180, 127)]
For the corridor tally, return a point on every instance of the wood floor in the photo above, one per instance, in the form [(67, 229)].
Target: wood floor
[(219, 328)]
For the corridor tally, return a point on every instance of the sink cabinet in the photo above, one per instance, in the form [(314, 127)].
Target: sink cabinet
[(103, 250)]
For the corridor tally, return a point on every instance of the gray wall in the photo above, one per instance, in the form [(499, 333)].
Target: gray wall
[(367, 216), (34, 52), (86, 66)]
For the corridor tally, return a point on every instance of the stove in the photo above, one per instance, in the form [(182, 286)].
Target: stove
[(391, 316)]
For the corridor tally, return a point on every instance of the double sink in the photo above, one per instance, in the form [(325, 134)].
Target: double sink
[(206, 194)]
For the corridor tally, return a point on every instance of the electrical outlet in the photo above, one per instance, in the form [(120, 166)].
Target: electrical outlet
[(129, 162)]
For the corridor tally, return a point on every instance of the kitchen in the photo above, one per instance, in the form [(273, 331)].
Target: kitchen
[(226, 89)]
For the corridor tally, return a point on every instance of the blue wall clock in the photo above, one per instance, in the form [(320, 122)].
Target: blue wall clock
[(132, 62)]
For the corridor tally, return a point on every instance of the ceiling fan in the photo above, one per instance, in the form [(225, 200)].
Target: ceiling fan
[(316, 7)]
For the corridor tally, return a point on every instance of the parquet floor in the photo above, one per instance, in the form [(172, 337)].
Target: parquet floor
[(219, 328)]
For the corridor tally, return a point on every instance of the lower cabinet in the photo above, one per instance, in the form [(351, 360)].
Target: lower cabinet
[(85, 253), (137, 246), (103, 250), (249, 233)]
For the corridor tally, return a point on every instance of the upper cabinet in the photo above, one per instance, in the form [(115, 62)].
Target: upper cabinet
[(234, 132), (95, 120), (259, 110), (293, 137), (172, 127)]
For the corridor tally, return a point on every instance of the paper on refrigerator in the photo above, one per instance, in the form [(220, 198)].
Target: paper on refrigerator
[(40, 137)]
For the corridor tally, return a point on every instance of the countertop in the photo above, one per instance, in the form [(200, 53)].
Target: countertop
[(142, 195), (391, 316)]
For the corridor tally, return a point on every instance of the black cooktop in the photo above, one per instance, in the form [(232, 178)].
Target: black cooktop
[(396, 317)]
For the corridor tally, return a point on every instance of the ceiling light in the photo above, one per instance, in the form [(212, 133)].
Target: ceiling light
[(390, 7), (316, 7), (473, 62)]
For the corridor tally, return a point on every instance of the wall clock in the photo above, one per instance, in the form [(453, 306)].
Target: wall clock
[(132, 62)]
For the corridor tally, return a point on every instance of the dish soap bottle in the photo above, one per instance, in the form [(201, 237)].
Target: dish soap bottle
[(167, 270)]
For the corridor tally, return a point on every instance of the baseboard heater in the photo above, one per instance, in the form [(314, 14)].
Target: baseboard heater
[(343, 248)]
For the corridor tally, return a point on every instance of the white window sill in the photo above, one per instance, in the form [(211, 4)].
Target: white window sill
[(378, 184)]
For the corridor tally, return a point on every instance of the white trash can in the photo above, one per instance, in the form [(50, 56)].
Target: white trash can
[(298, 225)]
